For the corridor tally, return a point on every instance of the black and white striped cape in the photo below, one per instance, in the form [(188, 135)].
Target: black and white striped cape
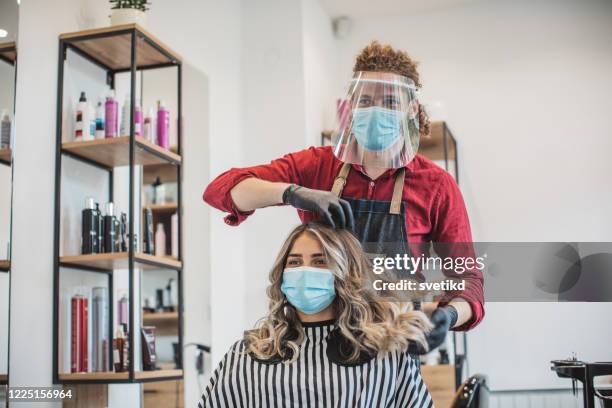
[(314, 381)]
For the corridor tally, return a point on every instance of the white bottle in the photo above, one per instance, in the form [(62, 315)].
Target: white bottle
[(100, 120), (124, 129), (89, 123), (5, 130), (149, 126), (160, 240), (174, 234)]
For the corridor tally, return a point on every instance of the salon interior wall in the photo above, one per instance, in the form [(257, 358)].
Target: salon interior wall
[(525, 87), (8, 12), (208, 38), (287, 102)]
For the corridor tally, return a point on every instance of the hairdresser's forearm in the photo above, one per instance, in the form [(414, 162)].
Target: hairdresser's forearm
[(253, 193), (464, 311)]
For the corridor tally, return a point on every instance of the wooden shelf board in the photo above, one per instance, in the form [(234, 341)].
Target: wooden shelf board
[(102, 376), (113, 376), (119, 260), (111, 46), (161, 317), (8, 52), (5, 156), (5, 265), (149, 375), (163, 208), (114, 152)]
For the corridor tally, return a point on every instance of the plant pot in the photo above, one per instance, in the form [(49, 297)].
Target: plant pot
[(128, 16)]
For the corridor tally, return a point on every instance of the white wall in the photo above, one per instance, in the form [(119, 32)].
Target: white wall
[(207, 35), (526, 87), (288, 55)]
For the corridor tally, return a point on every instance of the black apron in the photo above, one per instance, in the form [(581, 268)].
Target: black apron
[(380, 226)]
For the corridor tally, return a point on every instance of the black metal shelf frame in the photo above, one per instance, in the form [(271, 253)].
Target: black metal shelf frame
[(64, 46)]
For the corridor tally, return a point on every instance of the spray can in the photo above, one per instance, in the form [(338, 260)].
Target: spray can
[(110, 115), (163, 125)]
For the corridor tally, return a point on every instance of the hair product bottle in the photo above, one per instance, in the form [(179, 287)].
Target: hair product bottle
[(80, 125), (149, 126), (100, 229), (138, 120), (5, 130), (100, 120), (119, 351), (160, 240), (125, 117), (89, 228), (163, 125), (149, 244), (78, 349), (124, 225), (110, 229), (110, 115), (100, 329)]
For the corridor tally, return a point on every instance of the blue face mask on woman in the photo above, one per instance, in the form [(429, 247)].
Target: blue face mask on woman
[(308, 289), (376, 128)]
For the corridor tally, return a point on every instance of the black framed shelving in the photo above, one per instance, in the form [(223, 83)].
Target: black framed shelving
[(125, 49)]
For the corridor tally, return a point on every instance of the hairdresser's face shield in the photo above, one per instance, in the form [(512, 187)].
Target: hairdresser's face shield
[(378, 121)]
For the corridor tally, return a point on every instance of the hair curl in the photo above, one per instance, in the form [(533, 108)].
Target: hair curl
[(368, 322), (379, 57)]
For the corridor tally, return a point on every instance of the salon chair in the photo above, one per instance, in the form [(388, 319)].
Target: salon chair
[(473, 393)]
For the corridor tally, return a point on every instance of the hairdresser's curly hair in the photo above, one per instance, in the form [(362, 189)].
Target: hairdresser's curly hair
[(379, 57), (365, 320)]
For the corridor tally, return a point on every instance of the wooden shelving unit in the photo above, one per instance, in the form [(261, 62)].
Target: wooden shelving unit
[(118, 49), (5, 156), (3, 379), (5, 265), (119, 260), (160, 318), (8, 52), (164, 171), (114, 152)]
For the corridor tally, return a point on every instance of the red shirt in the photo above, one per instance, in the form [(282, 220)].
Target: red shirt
[(435, 210)]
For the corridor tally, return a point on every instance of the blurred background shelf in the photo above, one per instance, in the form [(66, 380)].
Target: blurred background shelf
[(5, 265), (5, 156)]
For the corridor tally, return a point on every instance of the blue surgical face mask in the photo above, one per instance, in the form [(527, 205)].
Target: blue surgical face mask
[(376, 128), (308, 289)]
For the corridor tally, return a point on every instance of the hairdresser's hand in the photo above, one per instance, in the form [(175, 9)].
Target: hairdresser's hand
[(443, 318), (334, 211)]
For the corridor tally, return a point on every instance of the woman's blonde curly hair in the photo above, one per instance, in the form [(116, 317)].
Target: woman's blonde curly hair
[(379, 57), (368, 322)]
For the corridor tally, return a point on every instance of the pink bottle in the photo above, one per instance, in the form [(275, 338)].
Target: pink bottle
[(163, 125), (138, 120), (111, 108)]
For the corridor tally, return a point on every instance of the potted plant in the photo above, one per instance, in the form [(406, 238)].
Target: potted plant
[(128, 11)]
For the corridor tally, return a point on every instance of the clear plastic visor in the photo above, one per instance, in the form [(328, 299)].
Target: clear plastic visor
[(378, 121)]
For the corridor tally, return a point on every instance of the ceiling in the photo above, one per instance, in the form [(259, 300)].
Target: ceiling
[(380, 8)]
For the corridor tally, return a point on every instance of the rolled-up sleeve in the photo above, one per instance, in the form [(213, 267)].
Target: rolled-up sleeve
[(452, 226), (290, 168)]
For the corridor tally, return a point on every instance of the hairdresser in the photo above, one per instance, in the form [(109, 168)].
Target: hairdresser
[(372, 181)]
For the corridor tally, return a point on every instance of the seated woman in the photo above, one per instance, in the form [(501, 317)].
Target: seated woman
[(327, 340)]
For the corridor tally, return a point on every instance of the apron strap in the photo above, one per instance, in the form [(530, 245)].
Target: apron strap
[(340, 179), (398, 189)]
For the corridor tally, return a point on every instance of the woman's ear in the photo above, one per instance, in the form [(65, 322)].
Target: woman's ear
[(424, 123)]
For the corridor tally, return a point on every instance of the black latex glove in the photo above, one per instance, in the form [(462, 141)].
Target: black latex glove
[(443, 318), (333, 211)]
